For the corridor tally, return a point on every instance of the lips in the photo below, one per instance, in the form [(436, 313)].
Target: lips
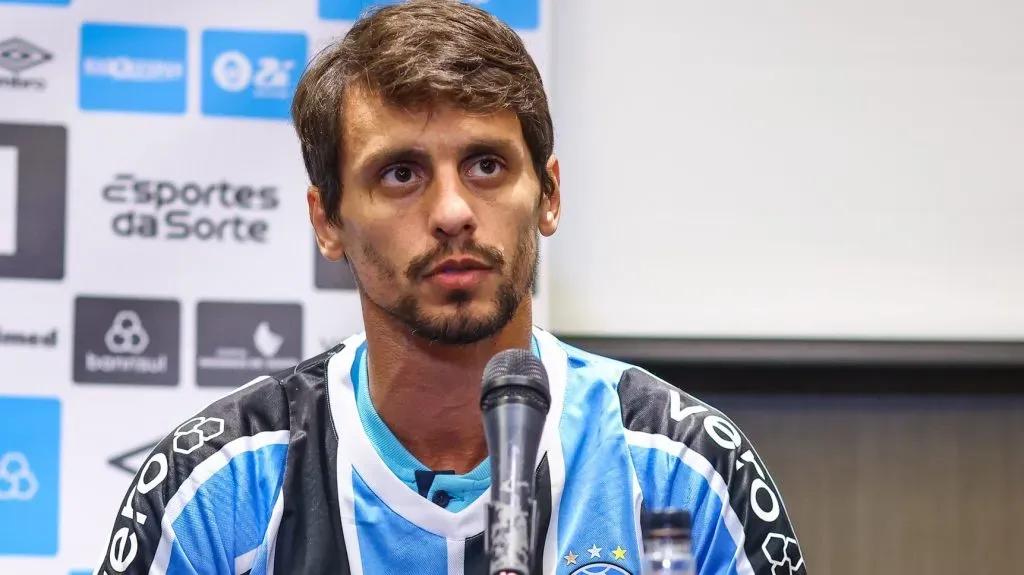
[(458, 274), (458, 265)]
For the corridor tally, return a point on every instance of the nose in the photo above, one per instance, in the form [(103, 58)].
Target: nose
[(451, 214)]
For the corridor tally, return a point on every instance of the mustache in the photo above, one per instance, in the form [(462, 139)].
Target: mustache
[(421, 264)]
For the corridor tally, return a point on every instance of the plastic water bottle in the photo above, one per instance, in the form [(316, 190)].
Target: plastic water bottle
[(668, 548)]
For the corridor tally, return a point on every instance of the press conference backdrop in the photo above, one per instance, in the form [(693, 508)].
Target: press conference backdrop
[(790, 170), (155, 249)]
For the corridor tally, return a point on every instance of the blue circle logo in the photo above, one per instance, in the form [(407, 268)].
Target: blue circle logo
[(601, 569)]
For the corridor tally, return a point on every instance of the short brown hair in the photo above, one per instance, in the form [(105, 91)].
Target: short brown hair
[(418, 54)]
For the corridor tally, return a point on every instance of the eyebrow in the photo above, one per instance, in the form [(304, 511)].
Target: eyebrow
[(387, 156)]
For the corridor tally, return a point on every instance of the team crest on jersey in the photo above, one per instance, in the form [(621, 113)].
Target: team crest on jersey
[(601, 569)]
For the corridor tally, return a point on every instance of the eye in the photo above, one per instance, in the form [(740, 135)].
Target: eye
[(486, 167), (400, 175)]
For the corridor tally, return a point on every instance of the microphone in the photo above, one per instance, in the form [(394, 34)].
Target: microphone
[(515, 401)]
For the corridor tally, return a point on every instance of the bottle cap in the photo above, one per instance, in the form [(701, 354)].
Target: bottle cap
[(669, 522)]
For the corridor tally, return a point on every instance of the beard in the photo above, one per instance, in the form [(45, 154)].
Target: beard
[(462, 326)]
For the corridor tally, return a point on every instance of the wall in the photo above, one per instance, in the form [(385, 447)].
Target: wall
[(895, 485)]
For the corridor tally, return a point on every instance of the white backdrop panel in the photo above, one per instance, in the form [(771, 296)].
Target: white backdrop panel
[(83, 143), (790, 169)]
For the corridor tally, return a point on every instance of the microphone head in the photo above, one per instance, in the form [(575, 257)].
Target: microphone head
[(517, 376)]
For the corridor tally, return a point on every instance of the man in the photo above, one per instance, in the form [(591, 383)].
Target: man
[(428, 142)]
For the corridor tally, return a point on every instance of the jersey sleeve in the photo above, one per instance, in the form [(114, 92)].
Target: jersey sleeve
[(688, 454), (209, 496)]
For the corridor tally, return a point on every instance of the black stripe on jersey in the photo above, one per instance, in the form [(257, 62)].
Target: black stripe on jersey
[(543, 491), (136, 532), (476, 555), (310, 539), (653, 406)]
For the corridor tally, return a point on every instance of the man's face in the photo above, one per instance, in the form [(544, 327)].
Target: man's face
[(440, 215)]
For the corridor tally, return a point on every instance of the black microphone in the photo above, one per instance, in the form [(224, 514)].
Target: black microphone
[(515, 401)]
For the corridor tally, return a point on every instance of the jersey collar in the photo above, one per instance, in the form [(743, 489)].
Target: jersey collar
[(357, 454)]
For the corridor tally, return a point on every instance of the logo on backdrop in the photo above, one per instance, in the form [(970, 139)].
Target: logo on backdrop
[(14, 337), (133, 68), (237, 342), (131, 341), (33, 184), (29, 475), (190, 210), (251, 74), (17, 56), (131, 461), (48, 2), (520, 14)]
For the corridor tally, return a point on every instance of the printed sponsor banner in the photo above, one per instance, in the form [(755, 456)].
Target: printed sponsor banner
[(155, 245), (237, 342)]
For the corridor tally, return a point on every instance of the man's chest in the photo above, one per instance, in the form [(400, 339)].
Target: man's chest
[(580, 532)]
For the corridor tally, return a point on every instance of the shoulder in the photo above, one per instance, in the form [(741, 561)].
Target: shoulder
[(673, 434), (252, 415), (686, 453), (661, 416), (219, 468), (250, 418), (655, 413)]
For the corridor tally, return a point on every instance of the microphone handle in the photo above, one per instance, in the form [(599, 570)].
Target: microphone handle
[(514, 430), (510, 538)]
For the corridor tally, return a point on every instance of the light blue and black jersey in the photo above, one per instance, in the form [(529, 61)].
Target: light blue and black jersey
[(295, 473)]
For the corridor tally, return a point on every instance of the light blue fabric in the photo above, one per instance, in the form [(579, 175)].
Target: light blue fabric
[(462, 489)]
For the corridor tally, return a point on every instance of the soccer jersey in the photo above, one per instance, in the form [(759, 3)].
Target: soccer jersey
[(290, 473), (454, 492)]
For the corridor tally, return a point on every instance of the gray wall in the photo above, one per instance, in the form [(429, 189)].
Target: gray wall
[(895, 485)]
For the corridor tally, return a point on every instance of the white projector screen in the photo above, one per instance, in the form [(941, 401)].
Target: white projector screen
[(790, 170)]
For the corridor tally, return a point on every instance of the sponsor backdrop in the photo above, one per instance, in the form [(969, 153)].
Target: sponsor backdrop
[(155, 249)]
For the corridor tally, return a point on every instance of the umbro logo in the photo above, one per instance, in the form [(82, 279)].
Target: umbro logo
[(131, 461), (18, 55)]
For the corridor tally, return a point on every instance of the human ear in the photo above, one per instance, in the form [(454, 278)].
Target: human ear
[(551, 200), (328, 236)]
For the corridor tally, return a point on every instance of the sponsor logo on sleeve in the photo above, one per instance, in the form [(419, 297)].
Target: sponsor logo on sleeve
[(782, 551), (783, 554), (124, 543), (196, 433)]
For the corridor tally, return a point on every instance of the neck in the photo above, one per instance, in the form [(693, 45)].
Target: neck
[(428, 393)]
